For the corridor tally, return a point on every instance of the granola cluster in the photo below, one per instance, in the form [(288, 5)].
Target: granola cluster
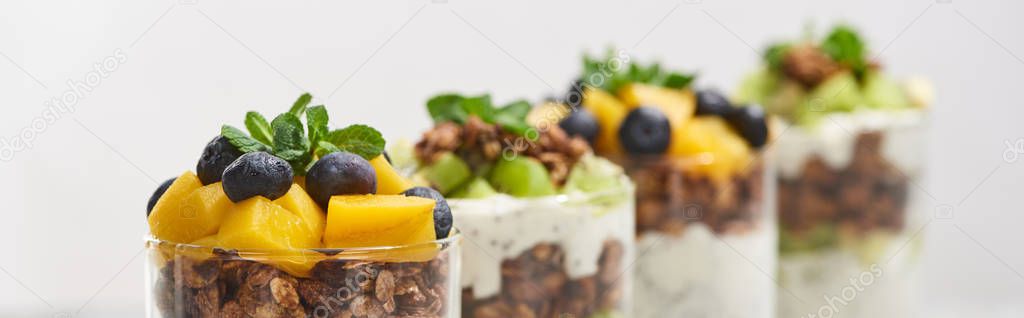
[(228, 286), (868, 194), (669, 198), (478, 143), (535, 284)]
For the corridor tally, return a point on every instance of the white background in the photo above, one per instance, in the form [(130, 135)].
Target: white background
[(72, 222)]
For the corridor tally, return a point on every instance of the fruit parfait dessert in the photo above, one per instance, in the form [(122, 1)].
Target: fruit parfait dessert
[(548, 226), (246, 234), (849, 151), (703, 225)]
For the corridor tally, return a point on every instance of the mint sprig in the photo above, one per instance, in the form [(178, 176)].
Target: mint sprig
[(612, 72), (259, 127), (240, 140), (458, 108), (288, 138)]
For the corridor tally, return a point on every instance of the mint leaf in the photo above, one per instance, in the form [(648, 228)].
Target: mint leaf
[(479, 106), (774, 54), (259, 128), (316, 123), (845, 46), (611, 74), (300, 105), (446, 108), (361, 140), (512, 117), (677, 80), (290, 142), (240, 140), (324, 148)]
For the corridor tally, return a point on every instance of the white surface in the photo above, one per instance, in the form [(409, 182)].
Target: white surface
[(72, 224)]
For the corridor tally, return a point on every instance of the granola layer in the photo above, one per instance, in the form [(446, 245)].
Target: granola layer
[(226, 285), (535, 284), (670, 197)]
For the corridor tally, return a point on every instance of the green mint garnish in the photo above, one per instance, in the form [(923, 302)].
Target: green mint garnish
[(846, 47), (240, 140), (316, 123), (361, 140), (774, 54), (615, 71), (325, 148), (447, 107), (288, 138), (259, 128), (300, 104), (457, 108), (290, 142)]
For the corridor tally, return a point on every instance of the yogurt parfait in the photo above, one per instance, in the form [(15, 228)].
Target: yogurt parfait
[(704, 229), (293, 219), (548, 226), (850, 152)]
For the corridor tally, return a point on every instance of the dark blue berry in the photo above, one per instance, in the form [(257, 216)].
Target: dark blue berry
[(217, 155), (257, 174), (750, 122), (711, 102), (645, 131), (340, 173), (442, 212), (157, 194), (574, 96), (580, 123)]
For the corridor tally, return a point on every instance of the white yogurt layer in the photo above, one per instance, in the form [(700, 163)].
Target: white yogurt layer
[(502, 227), (841, 283), (701, 274), (834, 137)]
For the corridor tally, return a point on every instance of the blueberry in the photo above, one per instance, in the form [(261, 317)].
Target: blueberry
[(574, 96), (645, 131), (580, 123), (750, 122), (217, 155), (340, 173), (711, 102), (257, 174), (157, 194), (442, 213)]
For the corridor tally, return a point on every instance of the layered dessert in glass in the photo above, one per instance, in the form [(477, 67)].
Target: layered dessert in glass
[(293, 219), (704, 228), (548, 226), (850, 153)]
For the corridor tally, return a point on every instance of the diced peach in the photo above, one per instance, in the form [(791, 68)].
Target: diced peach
[(389, 181), (188, 210), (302, 205), (378, 220), (258, 223), (610, 113)]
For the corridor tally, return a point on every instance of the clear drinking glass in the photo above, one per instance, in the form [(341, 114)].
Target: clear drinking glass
[(555, 256), (708, 244), (850, 210), (418, 280)]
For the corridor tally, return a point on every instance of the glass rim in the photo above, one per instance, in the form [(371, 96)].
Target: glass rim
[(452, 240)]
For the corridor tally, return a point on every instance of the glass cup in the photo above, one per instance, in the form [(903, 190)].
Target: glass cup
[(418, 280), (555, 256), (849, 211), (706, 236)]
